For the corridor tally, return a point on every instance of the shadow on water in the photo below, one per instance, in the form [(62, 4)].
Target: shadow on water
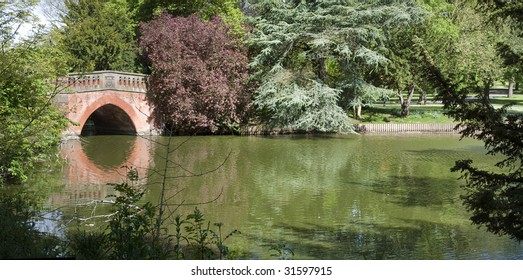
[(418, 191), (420, 240)]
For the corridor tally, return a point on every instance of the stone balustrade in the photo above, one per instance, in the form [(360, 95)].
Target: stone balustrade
[(106, 80)]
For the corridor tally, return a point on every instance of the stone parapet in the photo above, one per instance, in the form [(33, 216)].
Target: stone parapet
[(105, 80)]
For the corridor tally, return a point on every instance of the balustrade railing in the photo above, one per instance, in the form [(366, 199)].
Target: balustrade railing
[(106, 80)]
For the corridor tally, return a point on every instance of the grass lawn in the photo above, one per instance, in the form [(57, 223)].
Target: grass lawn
[(378, 113), (432, 113), (516, 100)]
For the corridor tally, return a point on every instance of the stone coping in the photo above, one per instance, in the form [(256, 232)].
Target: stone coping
[(104, 80)]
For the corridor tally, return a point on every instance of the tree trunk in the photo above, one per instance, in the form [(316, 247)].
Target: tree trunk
[(486, 90), (511, 87), (405, 103), (517, 86), (357, 111), (422, 98), (320, 70)]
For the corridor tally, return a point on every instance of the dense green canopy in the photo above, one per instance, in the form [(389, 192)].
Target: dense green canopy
[(31, 127), (99, 35), (312, 58)]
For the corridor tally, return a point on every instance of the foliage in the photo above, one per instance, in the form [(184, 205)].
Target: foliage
[(19, 236), (303, 46), (84, 245), (433, 26), (30, 130), (507, 15), (131, 234), (228, 10), (99, 35), (13, 14), (199, 73), (129, 231), (477, 67), (495, 198), (310, 108), (31, 126), (137, 230), (199, 240)]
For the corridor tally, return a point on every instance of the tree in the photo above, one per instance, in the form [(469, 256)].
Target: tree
[(228, 10), (507, 16), (493, 196), (435, 30), (30, 131), (54, 11), (199, 73), (481, 67), (312, 58), (31, 127), (99, 35)]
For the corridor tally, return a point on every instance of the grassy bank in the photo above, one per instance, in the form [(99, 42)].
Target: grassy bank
[(431, 113)]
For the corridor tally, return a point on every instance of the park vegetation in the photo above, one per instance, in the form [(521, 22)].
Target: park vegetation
[(218, 65)]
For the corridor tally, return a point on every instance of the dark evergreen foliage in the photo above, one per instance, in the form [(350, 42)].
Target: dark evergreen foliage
[(312, 58), (99, 35)]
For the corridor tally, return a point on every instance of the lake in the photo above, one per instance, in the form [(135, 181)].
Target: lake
[(323, 197)]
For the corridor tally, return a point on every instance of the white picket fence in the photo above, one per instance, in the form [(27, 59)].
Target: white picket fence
[(405, 128)]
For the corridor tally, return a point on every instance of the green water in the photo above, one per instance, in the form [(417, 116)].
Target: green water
[(325, 197)]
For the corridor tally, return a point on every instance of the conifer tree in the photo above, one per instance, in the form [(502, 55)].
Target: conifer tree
[(312, 58), (99, 35), (228, 10)]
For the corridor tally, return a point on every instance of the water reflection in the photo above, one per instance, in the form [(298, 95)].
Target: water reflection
[(93, 162), (341, 197)]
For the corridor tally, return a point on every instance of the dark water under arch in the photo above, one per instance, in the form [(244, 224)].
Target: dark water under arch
[(109, 120)]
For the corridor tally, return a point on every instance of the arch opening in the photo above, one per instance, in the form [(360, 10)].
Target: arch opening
[(108, 120)]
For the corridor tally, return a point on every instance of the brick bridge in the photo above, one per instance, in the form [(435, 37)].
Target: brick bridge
[(106, 102)]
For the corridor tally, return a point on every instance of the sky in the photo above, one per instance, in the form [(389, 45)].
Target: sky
[(25, 30)]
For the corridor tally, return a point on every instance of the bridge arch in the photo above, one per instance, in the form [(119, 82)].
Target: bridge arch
[(114, 102), (109, 114)]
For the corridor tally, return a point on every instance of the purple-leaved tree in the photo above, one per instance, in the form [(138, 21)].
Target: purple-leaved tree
[(199, 73)]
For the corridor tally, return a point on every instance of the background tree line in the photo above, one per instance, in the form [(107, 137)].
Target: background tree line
[(311, 64)]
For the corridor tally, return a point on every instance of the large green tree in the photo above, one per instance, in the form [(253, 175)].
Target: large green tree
[(494, 196), (99, 35), (509, 13), (31, 127), (478, 60), (228, 10), (312, 59), (436, 31)]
